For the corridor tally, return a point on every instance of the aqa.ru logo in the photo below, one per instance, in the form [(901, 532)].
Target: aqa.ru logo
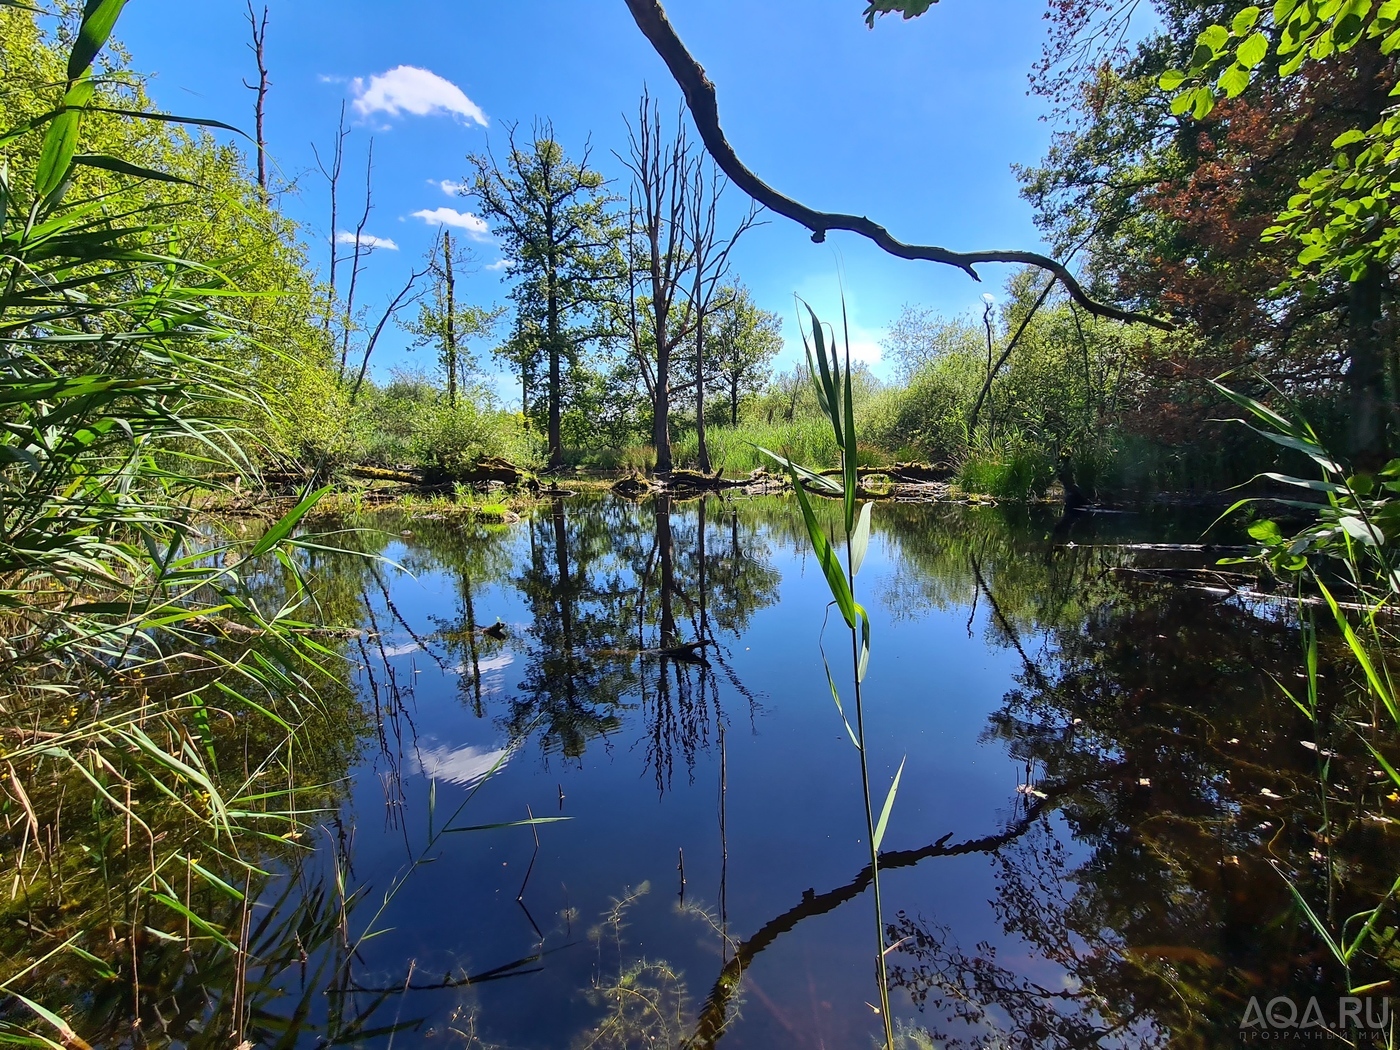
[(1282, 1019)]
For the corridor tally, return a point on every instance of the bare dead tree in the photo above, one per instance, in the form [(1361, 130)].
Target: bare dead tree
[(700, 96), (259, 49), (332, 177), (710, 258), (406, 297), (348, 318), (661, 183)]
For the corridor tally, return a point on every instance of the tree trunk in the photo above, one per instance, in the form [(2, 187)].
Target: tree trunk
[(450, 336), (665, 550), (733, 399), (661, 400), (1366, 437), (1366, 352), (464, 587), (556, 441), (259, 48), (704, 452)]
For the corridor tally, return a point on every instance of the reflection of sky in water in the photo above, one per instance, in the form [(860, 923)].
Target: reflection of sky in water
[(402, 649), (459, 765), (984, 634), (487, 667)]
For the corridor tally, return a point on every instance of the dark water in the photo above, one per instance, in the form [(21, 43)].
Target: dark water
[(1101, 779)]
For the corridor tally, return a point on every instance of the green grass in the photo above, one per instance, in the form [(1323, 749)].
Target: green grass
[(806, 441), (1006, 470)]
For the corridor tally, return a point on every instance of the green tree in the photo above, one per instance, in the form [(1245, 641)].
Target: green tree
[(553, 216), (746, 339), (1171, 197), (445, 323)]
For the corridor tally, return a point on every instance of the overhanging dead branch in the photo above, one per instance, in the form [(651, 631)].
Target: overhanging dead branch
[(704, 109)]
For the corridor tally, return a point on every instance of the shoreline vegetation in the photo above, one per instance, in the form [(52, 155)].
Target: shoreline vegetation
[(192, 405)]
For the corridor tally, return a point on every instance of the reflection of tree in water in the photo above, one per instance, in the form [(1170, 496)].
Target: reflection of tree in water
[(627, 604), (579, 598), (1160, 909), (701, 582)]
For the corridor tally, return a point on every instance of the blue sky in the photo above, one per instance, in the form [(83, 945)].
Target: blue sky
[(914, 124)]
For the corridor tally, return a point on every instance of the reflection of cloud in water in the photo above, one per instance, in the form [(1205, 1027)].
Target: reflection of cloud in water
[(485, 667), (460, 765), (402, 649)]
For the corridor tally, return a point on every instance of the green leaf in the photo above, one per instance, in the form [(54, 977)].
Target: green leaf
[(1244, 21), (61, 140), (810, 477), (863, 664), (1362, 531), (1317, 923), (1171, 80), (1233, 81), (826, 558), (530, 823), (20, 130), (1384, 764), (836, 696), (168, 118), (889, 805), (201, 721), (1253, 51), (1311, 484), (99, 19), (821, 368), (848, 423), (70, 1038), (122, 167), (1363, 658), (1266, 532), (1215, 38), (1346, 138), (282, 529), (195, 920), (860, 538), (1292, 65), (1202, 103)]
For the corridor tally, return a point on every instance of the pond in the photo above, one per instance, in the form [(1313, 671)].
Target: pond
[(1103, 790)]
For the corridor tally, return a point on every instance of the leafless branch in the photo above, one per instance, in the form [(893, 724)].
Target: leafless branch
[(259, 49), (332, 176), (704, 109), (404, 298), (355, 267)]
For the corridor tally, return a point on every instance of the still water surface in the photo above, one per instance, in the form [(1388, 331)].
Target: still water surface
[(1099, 772)]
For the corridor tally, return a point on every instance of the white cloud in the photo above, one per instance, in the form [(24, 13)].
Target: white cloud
[(464, 220), (367, 240), (501, 264), (408, 89), (452, 189)]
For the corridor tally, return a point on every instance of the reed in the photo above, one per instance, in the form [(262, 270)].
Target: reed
[(152, 693), (835, 395), (1350, 544)]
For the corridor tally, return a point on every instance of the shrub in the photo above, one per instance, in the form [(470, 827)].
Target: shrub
[(1010, 470), (409, 423)]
